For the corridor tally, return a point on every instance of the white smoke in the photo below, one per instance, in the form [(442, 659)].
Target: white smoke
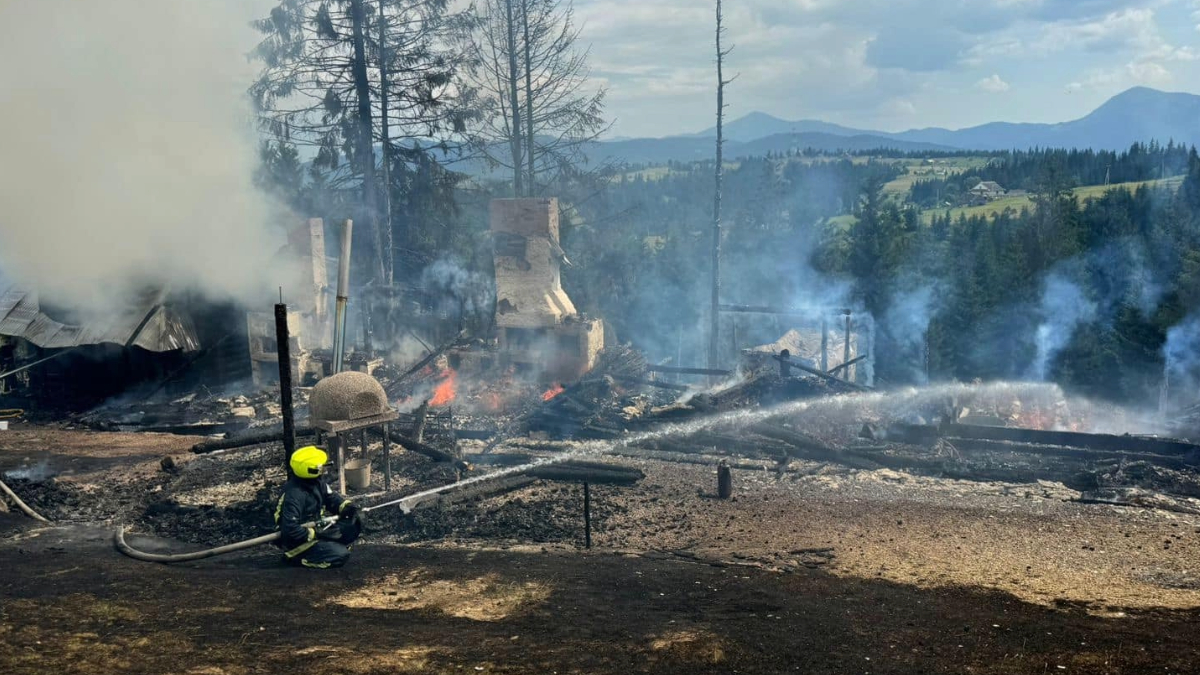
[(473, 292), (1181, 355), (907, 321), (129, 149), (1064, 307)]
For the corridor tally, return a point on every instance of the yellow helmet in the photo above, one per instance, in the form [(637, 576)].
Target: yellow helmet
[(307, 461)]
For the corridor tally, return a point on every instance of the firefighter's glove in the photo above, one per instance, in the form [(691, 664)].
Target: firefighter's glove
[(348, 512)]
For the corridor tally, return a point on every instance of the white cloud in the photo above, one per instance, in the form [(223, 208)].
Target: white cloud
[(1149, 72), (993, 85), (899, 107), (857, 61)]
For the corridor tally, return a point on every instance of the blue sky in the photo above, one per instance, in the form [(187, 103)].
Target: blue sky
[(885, 64)]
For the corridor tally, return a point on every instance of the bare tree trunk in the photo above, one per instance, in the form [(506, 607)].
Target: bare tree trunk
[(366, 150), (513, 87), (529, 146), (714, 332), (389, 257)]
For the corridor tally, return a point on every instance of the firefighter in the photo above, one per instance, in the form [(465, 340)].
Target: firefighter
[(306, 498)]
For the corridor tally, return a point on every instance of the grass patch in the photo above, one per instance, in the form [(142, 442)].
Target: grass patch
[(992, 209)]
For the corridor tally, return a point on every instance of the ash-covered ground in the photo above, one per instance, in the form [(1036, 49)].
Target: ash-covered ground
[(906, 569), (1035, 540)]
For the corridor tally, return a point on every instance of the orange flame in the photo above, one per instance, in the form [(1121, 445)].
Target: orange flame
[(444, 393), (553, 391)]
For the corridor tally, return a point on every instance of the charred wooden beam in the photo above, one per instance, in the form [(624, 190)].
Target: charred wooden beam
[(924, 433), (847, 364), (1110, 442), (782, 311), (688, 371), (591, 472), (394, 387), (832, 379), (651, 383), (419, 448), (247, 440), (810, 448), (1082, 454), (474, 434)]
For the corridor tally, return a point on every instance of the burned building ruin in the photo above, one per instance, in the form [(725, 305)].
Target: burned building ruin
[(539, 329)]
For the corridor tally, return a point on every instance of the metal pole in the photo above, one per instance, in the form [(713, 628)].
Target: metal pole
[(283, 349), (587, 515), (387, 459), (362, 442), (343, 294), (340, 455)]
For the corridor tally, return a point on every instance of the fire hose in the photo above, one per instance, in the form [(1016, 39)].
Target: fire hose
[(123, 547), (20, 504), (406, 504)]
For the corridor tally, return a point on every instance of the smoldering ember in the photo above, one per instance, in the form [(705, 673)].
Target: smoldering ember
[(430, 339)]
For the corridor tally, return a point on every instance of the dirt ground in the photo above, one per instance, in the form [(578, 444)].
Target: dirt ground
[(814, 570)]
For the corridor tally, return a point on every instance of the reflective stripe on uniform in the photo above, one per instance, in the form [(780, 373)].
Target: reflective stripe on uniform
[(312, 541), (300, 549)]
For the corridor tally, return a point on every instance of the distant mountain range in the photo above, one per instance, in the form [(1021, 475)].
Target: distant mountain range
[(1139, 114)]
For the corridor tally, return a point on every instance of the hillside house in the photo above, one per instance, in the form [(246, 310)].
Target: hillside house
[(986, 191)]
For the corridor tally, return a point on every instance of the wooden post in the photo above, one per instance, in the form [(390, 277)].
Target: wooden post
[(724, 481), (284, 353), (587, 515)]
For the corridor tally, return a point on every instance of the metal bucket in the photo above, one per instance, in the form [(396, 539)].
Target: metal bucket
[(358, 474)]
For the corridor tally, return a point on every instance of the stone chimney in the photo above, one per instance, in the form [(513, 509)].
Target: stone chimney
[(540, 332), (528, 258)]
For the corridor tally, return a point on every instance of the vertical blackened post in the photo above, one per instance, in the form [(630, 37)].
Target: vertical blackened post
[(454, 450), (284, 350), (587, 515), (824, 345), (724, 481), (387, 458), (846, 347)]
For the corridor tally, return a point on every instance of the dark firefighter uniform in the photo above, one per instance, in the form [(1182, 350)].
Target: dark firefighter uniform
[(307, 498)]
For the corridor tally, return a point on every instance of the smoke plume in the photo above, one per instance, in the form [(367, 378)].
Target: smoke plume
[(1063, 309), (1181, 354), (130, 154)]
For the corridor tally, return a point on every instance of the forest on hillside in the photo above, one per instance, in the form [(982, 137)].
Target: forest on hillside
[(1100, 294)]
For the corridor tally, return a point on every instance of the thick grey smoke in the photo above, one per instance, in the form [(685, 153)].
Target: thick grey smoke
[(130, 150)]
